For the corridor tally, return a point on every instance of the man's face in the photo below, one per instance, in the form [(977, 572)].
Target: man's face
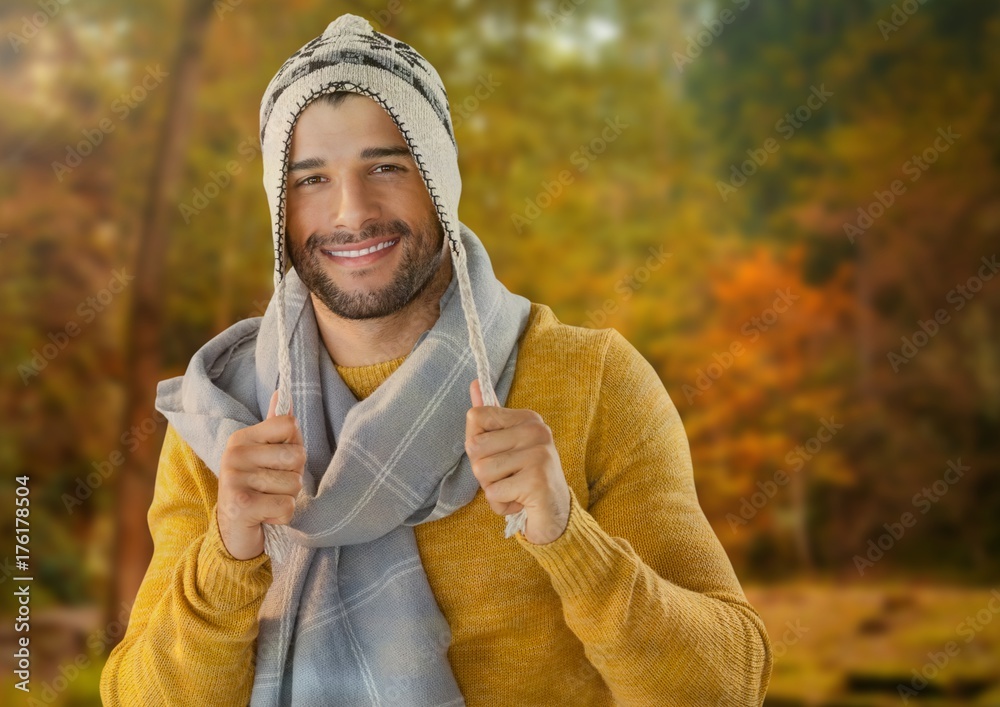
[(352, 184)]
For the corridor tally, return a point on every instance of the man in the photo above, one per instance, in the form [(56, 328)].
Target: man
[(326, 509)]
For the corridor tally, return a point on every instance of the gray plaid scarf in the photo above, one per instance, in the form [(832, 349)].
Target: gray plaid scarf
[(350, 618)]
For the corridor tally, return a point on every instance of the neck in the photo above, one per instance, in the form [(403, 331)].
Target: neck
[(363, 342)]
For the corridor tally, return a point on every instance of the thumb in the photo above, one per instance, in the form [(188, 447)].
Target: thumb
[(476, 393), (273, 406)]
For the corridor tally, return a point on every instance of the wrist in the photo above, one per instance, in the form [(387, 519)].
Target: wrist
[(240, 546), (223, 582)]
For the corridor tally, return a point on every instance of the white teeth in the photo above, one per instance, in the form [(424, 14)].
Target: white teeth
[(359, 253)]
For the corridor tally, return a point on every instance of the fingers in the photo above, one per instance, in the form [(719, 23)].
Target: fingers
[(503, 495), (274, 481), (253, 507), (509, 439), (500, 466), (279, 429), (475, 393), (487, 418), (283, 457), (277, 510), (273, 408), (260, 479)]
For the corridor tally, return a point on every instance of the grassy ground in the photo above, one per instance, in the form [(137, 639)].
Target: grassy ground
[(861, 645), (834, 646)]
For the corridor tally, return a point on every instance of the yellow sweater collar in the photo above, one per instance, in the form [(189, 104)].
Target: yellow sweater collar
[(363, 380)]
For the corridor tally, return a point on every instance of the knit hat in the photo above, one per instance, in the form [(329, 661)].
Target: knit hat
[(351, 56)]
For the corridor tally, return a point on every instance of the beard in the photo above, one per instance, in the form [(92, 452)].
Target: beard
[(420, 258)]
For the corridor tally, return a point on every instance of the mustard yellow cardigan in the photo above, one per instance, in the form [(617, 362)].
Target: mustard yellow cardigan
[(636, 603)]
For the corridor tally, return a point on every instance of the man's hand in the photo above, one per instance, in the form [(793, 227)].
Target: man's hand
[(261, 475), (517, 464)]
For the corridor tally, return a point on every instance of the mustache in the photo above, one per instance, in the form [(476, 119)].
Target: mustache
[(396, 227)]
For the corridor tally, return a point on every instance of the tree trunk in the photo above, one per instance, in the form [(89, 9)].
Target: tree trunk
[(134, 487)]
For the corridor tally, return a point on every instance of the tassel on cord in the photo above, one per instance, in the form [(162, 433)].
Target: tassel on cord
[(515, 521)]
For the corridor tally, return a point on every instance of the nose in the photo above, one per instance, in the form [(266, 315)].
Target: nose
[(356, 205)]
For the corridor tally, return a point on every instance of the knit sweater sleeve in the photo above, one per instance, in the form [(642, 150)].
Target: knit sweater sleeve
[(191, 637), (644, 582)]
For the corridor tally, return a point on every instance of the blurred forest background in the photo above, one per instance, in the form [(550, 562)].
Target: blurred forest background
[(791, 209)]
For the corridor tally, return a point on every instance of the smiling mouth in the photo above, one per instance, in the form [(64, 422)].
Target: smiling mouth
[(363, 252)]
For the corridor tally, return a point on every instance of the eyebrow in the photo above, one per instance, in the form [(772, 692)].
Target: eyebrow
[(373, 153), (369, 153)]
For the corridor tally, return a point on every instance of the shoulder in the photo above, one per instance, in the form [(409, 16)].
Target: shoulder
[(602, 370), (547, 338), (604, 352), (183, 482), (598, 371), (178, 454), (606, 398)]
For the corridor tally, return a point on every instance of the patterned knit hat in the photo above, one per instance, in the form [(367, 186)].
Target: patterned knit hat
[(351, 56)]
